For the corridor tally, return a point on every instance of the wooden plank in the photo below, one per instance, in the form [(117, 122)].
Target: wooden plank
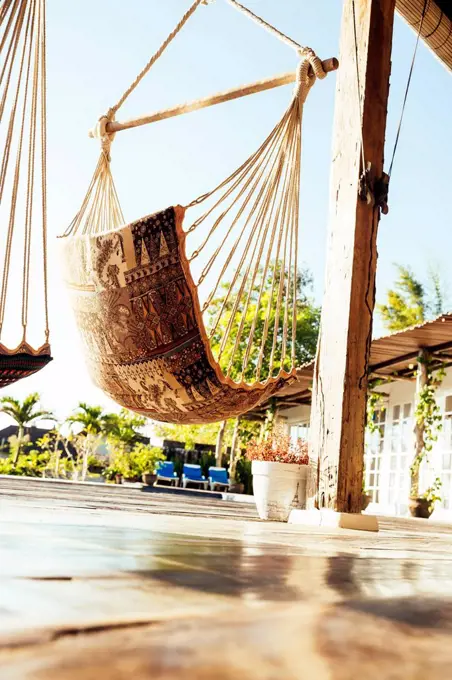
[(340, 379), (311, 639)]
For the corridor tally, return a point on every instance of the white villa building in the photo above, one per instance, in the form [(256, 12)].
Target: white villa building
[(390, 450)]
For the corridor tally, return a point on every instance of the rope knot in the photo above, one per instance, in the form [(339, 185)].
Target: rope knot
[(309, 69), (306, 53), (100, 132)]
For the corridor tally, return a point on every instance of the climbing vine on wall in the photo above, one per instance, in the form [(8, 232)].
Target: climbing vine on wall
[(428, 414), (375, 403)]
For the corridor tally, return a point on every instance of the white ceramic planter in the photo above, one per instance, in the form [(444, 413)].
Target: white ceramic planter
[(278, 488)]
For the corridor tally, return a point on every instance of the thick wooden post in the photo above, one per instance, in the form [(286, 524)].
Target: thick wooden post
[(340, 381)]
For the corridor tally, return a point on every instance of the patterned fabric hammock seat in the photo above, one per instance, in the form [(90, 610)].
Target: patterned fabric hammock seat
[(23, 196), (157, 342), (21, 362)]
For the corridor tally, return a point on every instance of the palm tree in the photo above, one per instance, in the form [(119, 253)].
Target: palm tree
[(121, 430), (123, 426), (91, 418), (24, 415)]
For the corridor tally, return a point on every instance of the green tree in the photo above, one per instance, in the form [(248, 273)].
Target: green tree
[(307, 325), (438, 295), (91, 430), (205, 434), (90, 418), (411, 302), (123, 426), (188, 434), (122, 435), (24, 414), (406, 304), (119, 429)]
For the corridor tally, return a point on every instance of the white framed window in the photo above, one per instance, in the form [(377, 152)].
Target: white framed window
[(400, 454), (374, 456), (299, 431), (444, 455)]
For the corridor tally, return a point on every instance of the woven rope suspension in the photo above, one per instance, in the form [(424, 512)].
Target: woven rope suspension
[(160, 342), (23, 198)]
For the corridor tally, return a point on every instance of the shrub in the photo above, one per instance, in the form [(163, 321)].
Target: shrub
[(31, 464), (145, 458), (96, 464), (133, 464)]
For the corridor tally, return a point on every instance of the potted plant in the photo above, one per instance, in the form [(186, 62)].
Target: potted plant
[(135, 464), (113, 474), (280, 468), (423, 505)]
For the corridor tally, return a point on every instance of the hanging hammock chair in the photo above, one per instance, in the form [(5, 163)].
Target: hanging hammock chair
[(23, 198), (157, 342)]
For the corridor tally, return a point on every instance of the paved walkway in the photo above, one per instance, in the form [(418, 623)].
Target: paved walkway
[(188, 588)]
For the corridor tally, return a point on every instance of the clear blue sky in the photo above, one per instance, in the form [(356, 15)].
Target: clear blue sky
[(95, 49)]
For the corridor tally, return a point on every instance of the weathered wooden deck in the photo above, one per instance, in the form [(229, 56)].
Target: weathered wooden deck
[(112, 583)]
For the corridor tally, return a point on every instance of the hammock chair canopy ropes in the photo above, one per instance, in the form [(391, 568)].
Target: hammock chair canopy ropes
[(23, 198), (160, 343)]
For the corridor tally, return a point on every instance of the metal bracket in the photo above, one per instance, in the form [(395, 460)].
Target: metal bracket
[(381, 190), (374, 191)]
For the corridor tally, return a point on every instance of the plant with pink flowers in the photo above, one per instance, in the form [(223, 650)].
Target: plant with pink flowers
[(279, 448)]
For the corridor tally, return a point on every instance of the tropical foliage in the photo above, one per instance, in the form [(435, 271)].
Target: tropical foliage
[(307, 327), (410, 301), (74, 448), (93, 427), (24, 413), (30, 464), (205, 434), (134, 462)]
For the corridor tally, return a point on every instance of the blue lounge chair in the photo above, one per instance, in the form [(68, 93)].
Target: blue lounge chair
[(218, 477), (192, 475), (165, 472)]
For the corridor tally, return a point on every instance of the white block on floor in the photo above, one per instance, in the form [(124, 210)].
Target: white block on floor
[(310, 518), (330, 518), (237, 497)]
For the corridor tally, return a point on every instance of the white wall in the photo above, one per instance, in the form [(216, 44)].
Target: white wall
[(297, 414)]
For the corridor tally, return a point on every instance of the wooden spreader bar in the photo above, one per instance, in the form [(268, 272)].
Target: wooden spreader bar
[(229, 95)]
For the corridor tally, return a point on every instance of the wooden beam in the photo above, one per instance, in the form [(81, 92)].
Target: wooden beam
[(340, 377), (434, 349)]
